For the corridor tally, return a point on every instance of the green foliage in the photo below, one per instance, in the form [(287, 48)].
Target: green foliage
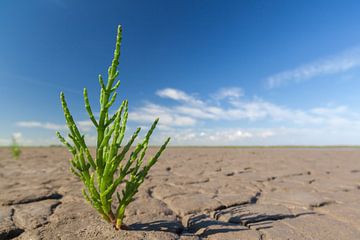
[(103, 173), (15, 149)]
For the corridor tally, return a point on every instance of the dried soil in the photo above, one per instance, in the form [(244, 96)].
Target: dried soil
[(192, 193)]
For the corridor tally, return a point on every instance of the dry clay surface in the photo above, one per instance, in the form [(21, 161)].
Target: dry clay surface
[(192, 193)]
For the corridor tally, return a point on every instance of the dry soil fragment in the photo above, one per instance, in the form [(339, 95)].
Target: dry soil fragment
[(349, 213), (311, 227), (34, 215), (192, 203), (26, 194), (294, 197), (231, 199)]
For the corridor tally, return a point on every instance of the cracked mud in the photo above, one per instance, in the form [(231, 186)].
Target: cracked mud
[(192, 193)]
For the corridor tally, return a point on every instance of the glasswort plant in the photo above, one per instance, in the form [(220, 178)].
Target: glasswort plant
[(103, 174)]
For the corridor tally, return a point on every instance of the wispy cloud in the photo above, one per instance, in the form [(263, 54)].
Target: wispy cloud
[(43, 125), (27, 140), (177, 95), (85, 125), (189, 111), (221, 136), (17, 136), (186, 118), (191, 120), (150, 111), (230, 93), (341, 62)]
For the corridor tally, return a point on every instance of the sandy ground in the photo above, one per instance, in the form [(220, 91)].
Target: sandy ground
[(192, 193)]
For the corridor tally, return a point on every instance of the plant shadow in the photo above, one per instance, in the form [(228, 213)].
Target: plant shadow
[(243, 221), (204, 225), (160, 225)]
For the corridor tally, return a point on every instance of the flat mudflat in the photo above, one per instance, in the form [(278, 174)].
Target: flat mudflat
[(192, 193)]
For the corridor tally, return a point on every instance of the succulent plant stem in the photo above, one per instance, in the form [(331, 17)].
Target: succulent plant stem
[(103, 173)]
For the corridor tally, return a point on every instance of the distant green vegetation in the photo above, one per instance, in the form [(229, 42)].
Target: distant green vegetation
[(15, 149)]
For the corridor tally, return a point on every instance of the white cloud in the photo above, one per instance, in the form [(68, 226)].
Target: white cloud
[(177, 95), (198, 112), (26, 140), (215, 136), (184, 114), (149, 112), (185, 120), (85, 125), (195, 121), (335, 64), (266, 134), (17, 136), (44, 125), (231, 93), (330, 111), (229, 135)]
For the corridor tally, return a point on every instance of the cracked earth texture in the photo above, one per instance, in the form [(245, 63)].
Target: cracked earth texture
[(192, 193)]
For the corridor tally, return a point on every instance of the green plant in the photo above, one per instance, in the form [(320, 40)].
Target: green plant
[(15, 149), (103, 174)]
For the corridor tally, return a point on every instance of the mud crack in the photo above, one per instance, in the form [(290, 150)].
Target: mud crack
[(53, 196)]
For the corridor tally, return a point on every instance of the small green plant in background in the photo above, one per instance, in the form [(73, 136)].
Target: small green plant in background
[(15, 148), (103, 173)]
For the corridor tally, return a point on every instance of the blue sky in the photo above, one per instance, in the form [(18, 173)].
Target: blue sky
[(215, 72)]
